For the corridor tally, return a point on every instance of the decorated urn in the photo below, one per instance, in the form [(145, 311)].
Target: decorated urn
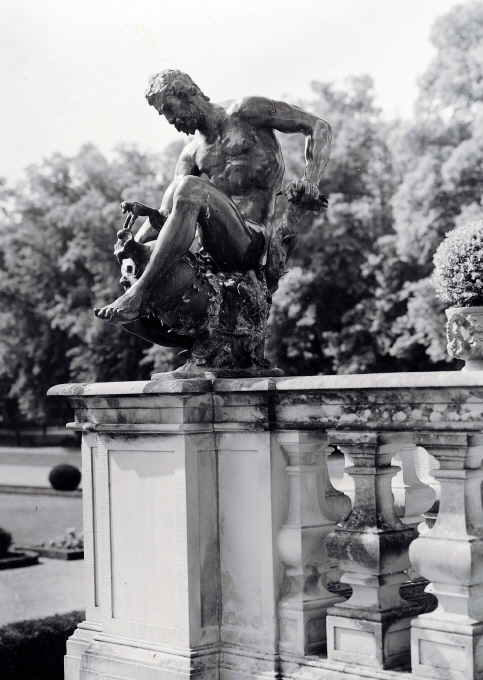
[(458, 280)]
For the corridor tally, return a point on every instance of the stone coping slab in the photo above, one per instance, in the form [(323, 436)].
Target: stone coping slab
[(446, 400), (440, 379), (135, 387)]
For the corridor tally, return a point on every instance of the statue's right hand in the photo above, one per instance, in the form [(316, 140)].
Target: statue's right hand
[(126, 207), (136, 209)]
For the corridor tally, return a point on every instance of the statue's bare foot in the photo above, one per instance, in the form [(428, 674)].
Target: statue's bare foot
[(123, 310)]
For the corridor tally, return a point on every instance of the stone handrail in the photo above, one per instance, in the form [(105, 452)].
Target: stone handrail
[(213, 532)]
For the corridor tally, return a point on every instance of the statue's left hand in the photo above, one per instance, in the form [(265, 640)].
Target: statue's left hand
[(306, 194)]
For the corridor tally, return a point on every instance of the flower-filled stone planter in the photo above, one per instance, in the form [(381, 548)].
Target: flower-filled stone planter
[(458, 280), (70, 546), (60, 553)]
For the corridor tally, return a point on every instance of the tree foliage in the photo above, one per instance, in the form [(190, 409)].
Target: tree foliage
[(357, 296), (365, 302), (314, 328), (56, 239), (440, 161)]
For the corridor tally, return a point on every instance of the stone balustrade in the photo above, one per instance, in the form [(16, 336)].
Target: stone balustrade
[(218, 545)]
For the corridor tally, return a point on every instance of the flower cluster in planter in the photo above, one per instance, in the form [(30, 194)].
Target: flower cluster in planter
[(71, 540), (458, 267)]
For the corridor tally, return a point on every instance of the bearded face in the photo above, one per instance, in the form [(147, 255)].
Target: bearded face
[(189, 119), (185, 115)]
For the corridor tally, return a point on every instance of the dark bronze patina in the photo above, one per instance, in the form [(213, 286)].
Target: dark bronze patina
[(213, 298)]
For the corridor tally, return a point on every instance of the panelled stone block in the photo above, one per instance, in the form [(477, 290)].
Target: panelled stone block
[(158, 557), (252, 500)]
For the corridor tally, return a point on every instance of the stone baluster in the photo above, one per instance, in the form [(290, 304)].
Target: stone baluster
[(448, 642), (301, 545), (372, 628), (346, 484), (425, 463), (338, 504), (412, 497)]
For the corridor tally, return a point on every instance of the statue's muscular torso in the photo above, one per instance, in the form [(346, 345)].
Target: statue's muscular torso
[(244, 162), (236, 149)]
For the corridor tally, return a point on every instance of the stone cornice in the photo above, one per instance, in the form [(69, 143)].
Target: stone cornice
[(387, 401)]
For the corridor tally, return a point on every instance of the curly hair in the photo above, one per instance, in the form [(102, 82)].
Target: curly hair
[(171, 81)]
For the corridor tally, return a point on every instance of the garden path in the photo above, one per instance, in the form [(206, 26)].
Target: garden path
[(48, 588)]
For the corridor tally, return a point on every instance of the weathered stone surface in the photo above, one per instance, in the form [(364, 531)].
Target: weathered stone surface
[(451, 556), (419, 401), (300, 542), (450, 406), (371, 549), (193, 475)]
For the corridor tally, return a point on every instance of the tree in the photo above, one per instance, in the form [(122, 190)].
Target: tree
[(439, 158), (56, 237), (316, 326), (366, 303)]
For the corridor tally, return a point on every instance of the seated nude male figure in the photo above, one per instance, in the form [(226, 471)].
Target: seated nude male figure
[(235, 149)]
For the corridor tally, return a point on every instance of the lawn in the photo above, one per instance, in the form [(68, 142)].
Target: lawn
[(35, 518)]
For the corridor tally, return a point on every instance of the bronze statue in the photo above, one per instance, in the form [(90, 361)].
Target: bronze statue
[(213, 298)]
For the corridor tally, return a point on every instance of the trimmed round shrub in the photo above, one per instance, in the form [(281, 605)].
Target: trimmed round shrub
[(65, 477), (458, 267), (5, 542)]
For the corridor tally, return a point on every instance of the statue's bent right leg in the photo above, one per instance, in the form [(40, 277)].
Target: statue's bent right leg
[(224, 233)]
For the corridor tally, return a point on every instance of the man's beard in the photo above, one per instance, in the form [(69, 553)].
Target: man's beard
[(190, 121)]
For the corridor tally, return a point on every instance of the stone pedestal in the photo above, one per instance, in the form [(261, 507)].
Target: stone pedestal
[(181, 516), (151, 528)]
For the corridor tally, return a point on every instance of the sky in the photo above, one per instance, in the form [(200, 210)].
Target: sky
[(76, 72)]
